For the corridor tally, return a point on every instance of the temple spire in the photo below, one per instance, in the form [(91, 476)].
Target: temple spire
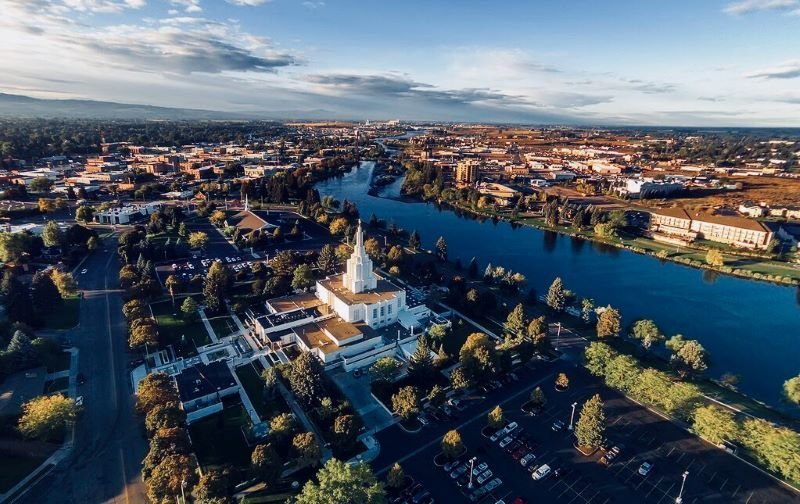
[(359, 275)]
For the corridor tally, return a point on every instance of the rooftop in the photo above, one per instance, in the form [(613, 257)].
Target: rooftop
[(201, 380), (293, 302), (385, 290)]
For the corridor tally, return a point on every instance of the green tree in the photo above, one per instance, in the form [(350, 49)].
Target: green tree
[(282, 426), (345, 430), (396, 478), (406, 402), (597, 356), (44, 294), (41, 185), (164, 416), (451, 444), (478, 356), (92, 243), (385, 369), (675, 343), (715, 424), (213, 488), (154, 389), (459, 380), (437, 332), (143, 332), (556, 299), (338, 226), (715, 258), (778, 448), (198, 240), (420, 364), (216, 286), (591, 424), (562, 381), (189, 308), (44, 416), (327, 261), (183, 230), (171, 474), (339, 483), (587, 308), (306, 450), (52, 235), (217, 217), (647, 332), (21, 350), (537, 397), (84, 213), (608, 323), (495, 419), (13, 246), (622, 372), (441, 248), (690, 358), (515, 324), (537, 332), (305, 379), (436, 396), (414, 240), (266, 464), (302, 277), (791, 389)]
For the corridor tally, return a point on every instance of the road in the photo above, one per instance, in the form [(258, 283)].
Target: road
[(109, 441)]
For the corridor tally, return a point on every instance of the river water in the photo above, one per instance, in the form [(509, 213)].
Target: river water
[(749, 328)]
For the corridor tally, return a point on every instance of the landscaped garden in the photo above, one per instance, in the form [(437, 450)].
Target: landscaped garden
[(219, 439), (174, 329)]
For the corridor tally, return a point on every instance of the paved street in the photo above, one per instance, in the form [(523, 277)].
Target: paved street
[(109, 445), (714, 476)]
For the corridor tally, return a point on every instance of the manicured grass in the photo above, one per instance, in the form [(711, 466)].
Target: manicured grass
[(457, 335), (218, 439), (266, 407), (15, 467), (172, 327), (65, 316), (223, 326)]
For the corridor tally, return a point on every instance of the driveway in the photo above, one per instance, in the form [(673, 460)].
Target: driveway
[(357, 390)]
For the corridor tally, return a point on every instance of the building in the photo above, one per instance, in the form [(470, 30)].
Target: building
[(350, 320), (201, 388), (671, 224), (467, 172), (126, 214)]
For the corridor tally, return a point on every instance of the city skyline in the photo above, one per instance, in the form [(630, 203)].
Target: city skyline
[(715, 63)]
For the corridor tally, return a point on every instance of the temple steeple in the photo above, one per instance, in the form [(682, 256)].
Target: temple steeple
[(359, 276)]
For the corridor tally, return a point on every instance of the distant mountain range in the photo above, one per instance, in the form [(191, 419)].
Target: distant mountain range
[(24, 106)]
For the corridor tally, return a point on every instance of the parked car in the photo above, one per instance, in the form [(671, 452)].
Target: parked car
[(480, 468), (527, 460), (645, 468), (513, 447), (458, 471), (506, 441), (541, 472), (421, 497), (558, 426), (452, 465), (493, 484), (484, 477)]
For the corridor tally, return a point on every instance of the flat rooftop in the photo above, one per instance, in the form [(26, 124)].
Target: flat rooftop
[(201, 380), (289, 303), (384, 291)]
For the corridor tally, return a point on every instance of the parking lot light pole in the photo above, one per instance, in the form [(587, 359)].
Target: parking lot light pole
[(572, 416), (679, 500), (471, 469)]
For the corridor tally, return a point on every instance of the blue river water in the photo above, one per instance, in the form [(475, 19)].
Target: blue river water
[(749, 328)]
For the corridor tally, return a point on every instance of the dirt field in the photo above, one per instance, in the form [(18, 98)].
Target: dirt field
[(771, 190)]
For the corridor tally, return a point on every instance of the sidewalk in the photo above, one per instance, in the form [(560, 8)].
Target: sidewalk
[(248, 406), (479, 326), (206, 323)]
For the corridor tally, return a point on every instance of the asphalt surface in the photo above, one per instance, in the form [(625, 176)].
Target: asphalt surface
[(105, 463), (714, 476)]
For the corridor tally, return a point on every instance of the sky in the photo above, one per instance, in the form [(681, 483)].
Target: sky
[(659, 62)]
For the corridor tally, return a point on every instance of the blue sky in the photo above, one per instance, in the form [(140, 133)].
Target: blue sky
[(702, 62)]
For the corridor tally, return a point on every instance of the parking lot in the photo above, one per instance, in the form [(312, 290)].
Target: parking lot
[(640, 435)]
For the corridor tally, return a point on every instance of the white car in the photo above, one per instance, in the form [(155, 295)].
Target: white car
[(84, 271), (645, 468), (541, 473), (506, 441)]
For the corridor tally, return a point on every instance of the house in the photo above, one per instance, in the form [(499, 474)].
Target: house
[(201, 388), (350, 320), (671, 224), (249, 222), (126, 214)]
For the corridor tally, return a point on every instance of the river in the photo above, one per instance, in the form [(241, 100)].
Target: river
[(749, 328)]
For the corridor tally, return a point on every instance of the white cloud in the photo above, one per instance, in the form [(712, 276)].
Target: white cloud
[(313, 4), (247, 3), (785, 70), (189, 6), (748, 6)]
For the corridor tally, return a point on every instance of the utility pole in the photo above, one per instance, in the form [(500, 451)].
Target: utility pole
[(572, 417), (471, 469), (679, 500)]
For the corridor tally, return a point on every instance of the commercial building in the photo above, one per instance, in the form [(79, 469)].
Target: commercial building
[(669, 224), (467, 172)]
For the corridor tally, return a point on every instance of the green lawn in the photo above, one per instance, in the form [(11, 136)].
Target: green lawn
[(254, 387), (65, 316), (218, 439), (223, 326), (172, 328), (458, 335), (14, 467)]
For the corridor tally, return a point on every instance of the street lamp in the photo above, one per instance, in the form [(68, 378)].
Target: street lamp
[(572, 416), (183, 485), (679, 500), (558, 335), (471, 469)]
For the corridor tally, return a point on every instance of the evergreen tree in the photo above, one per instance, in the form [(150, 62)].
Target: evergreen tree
[(305, 379), (420, 364), (591, 425), (44, 295), (414, 240), (515, 322), (327, 262), (441, 248), (556, 298), (216, 286)]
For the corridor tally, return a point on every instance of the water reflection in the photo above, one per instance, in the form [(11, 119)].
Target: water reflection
[(549, 240), (710, 276), (577, 244)]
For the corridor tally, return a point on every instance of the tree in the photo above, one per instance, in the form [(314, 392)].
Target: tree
[(154, 389), (198, 240), (385, 369), (44, 416), (172, 283), (608, 322), (715, 424), (715, 258), (396, 478), (436, 396), (556, 298), (459, 380), (41, 184), (622, 372), (597, 356), (183, 230), (338, 226), (647, 332), (134, 309), (282, 426), (406, 402), (84, 213), (537, 331), (173, 474), (216, 286), (591, 425), (495, 418), (437, 332), (327, 261), (420, 364), (217, 217), (21, 350), (266, 464), (414, 240), (537, 397), (441, 248), (345, 430), (587, 308), (339, 482), (451, 444), (302, 277), (13, 246), (164, 416), (691, 357), (395, 255), (515, 322), (562, 381), (213, 488), (306, 450), (791, 389), (305, 379), (675, 343), (778, 448), (52, 235), (189, 308), (143, 332), (44, 294)]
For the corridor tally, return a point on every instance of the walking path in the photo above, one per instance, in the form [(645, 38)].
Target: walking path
[(479, 326), (248, 406), (206, 323)]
